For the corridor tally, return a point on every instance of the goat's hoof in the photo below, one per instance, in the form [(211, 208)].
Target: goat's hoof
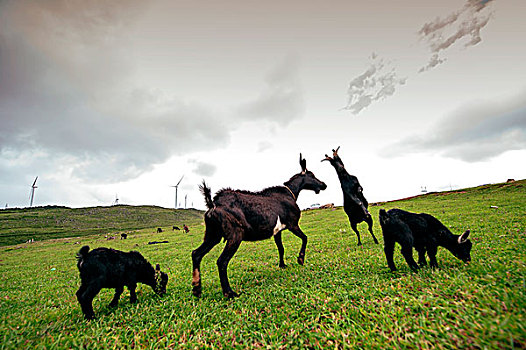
[(196, 292), (89, 317), (359, 243), (282, 266), (376, 241), (231, 294), (301, 260)]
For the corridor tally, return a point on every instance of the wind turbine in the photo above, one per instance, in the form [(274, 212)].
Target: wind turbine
[(33, 191), (185, 197), (116, 202), (176, 187)]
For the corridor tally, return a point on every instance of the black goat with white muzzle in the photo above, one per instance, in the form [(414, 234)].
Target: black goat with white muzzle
[(240, 216)]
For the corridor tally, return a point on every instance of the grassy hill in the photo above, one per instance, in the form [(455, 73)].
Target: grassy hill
[(41, 223), (343, 297)]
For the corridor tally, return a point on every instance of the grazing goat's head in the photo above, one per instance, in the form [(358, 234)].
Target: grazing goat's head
[(161, 280), (306, 179), (462, 248)]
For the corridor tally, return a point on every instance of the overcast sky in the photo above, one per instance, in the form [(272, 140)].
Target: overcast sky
[(121, 98)]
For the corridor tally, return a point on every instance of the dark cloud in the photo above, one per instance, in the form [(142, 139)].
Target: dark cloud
[(472, 134), (379, 81), (67, 93)]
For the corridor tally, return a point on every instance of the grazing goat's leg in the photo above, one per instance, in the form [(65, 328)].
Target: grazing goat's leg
[(133, 296), (197, 256), (407, 252), (432, 253), (299, 233), (355, 229), (369, 221), (281, 251), (422, 256), (85, 297), (118, 292), (222, 265), (389, 246)]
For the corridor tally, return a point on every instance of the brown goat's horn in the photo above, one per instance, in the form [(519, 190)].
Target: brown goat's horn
[(335, 153)]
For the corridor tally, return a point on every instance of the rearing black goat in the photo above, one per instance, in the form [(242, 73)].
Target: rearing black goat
[(354, 203), (240, 216)]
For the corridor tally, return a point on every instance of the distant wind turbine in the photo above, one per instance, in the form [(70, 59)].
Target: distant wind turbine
[(176, 187), (33, 191), (116, 200)]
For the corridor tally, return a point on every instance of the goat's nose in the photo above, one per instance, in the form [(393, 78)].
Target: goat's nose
[(323, 186)]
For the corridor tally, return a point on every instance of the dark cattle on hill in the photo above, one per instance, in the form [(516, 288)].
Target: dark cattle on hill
[(110, 268), (354, 203), (423, 232), (238, 216)]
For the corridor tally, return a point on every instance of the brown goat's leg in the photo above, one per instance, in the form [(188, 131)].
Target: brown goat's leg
[(230, 249), (281, 251), (299, 233), (369, 221), (197, 256)]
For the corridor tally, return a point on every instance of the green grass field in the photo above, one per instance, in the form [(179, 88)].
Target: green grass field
[(344, 296)]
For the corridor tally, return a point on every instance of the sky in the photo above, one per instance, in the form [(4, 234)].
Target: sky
[(120, 99)]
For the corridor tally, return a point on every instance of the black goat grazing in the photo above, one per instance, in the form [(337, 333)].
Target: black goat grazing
[(159, 230), (110, 268), (423, 232), (240, 216), (354, 203)]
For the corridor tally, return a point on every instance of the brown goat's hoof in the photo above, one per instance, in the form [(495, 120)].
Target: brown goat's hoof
[(301, 260), (196, 291)]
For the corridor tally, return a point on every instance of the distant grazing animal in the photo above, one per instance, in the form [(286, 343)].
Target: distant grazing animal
[(423, 232), (186, 229), (159, 230), (110, 268), (240, 216), (175, 228), (124, 236), (354, 203)]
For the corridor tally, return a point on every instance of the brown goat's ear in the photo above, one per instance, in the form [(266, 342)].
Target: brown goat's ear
[(463, 237), (157, 267), (335, 152), (303, 164)]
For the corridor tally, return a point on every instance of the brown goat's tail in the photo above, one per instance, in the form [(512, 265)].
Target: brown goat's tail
[(207, 193)]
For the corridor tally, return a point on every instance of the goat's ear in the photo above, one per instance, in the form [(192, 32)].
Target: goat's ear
[(158, 267), (463, 237), (303, 164), (335, 152)]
